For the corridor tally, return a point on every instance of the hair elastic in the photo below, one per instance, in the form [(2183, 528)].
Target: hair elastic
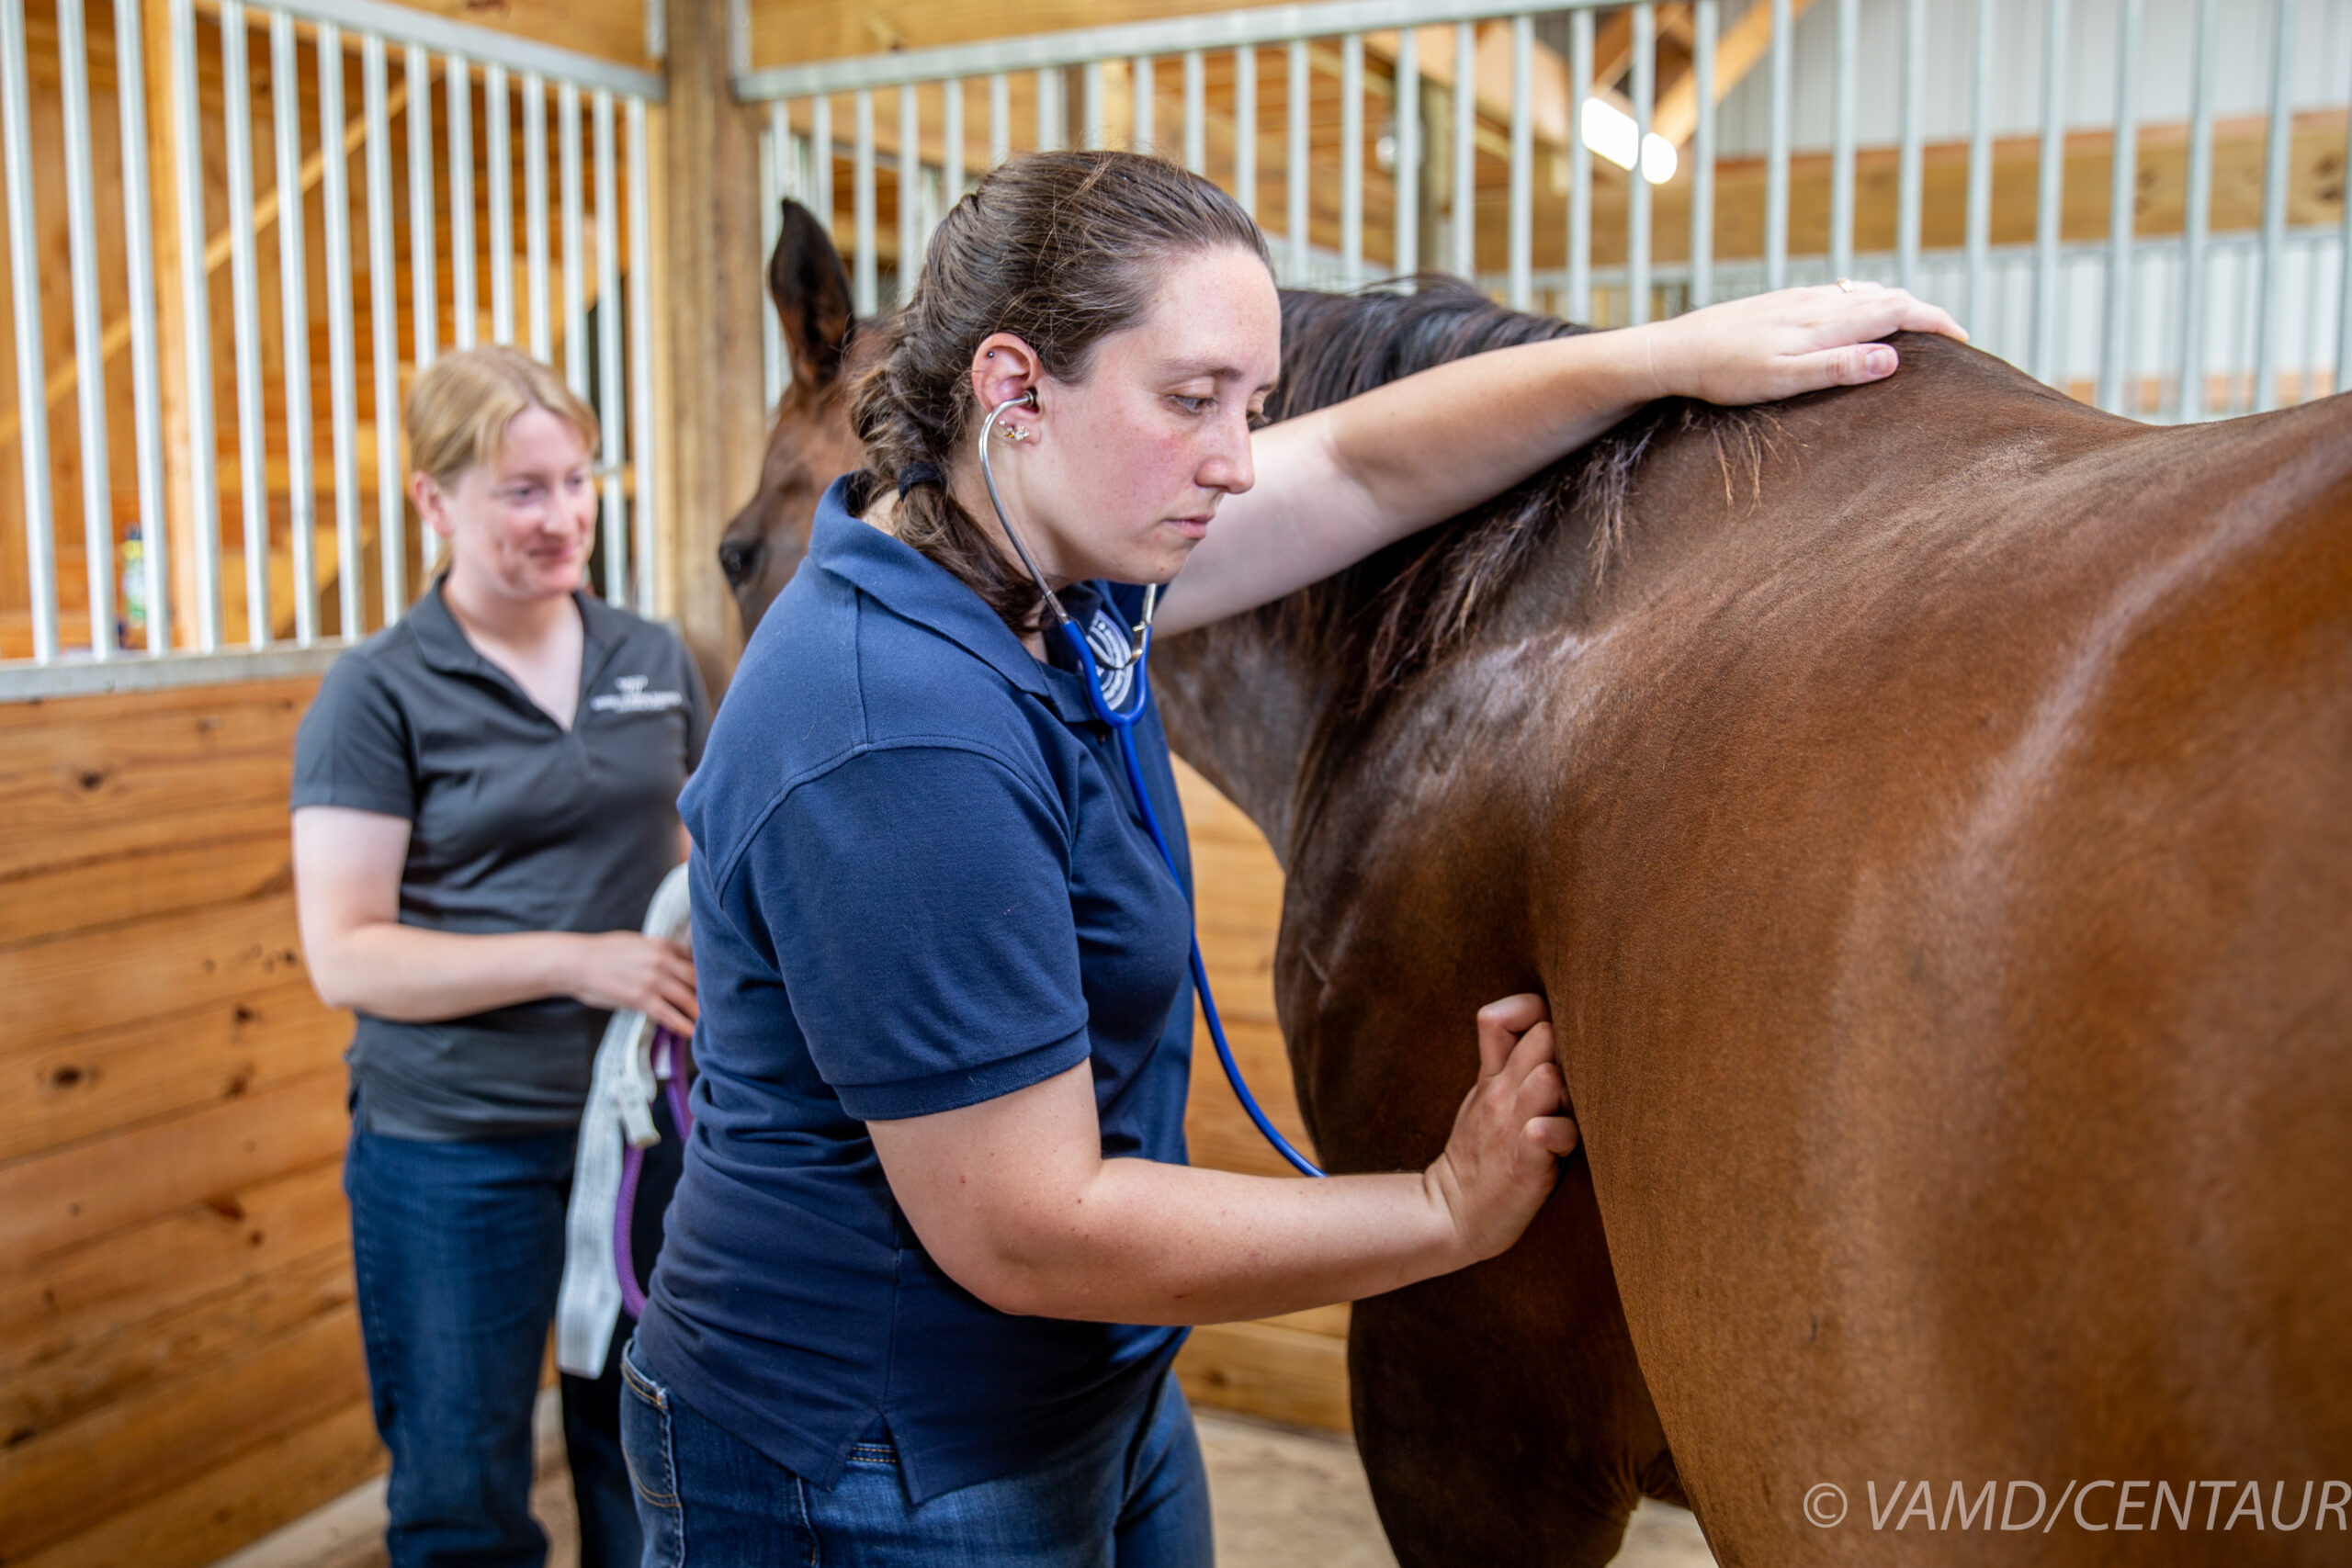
[(915, 474)]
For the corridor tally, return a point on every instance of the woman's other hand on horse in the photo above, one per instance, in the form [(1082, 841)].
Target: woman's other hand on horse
[(1796, 340), (627, 970), (1509, 1136)]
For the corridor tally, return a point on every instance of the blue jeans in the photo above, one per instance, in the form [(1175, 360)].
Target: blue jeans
[(458, 1249), (1134, 1496)]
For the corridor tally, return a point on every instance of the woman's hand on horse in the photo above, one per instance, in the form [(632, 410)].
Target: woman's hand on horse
[(627, 970), (1796, 340), (1509, 1135)]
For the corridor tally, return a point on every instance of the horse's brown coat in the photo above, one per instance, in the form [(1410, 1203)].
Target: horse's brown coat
[(1937, 862)]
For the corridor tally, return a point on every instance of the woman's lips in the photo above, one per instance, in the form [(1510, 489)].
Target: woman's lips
[(1191, 527)]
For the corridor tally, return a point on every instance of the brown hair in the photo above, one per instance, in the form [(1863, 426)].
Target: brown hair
[(459, 408), (1058, 249)]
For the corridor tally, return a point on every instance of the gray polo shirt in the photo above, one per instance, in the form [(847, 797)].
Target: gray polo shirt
[(517, 825)]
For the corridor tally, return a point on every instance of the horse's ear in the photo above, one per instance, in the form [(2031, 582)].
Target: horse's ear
[(810, 288)]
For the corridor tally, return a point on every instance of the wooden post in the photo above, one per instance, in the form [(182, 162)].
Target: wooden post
[(713, 289)]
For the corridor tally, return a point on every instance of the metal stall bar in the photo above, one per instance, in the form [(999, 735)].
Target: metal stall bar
[(820, 161), (139, 256), (951, 177), (1776, 168), (1979, 242), (1092, 132), (2049, 207), (1196, 113), (2123, 185), (1294, 170), (1406, 110), (244, 316), (1521, 233), (775, 152), (640, 358), (534, 215), (502, 207), (383, 303), (612, 398), (1706, 29), (2344, 283), (294, 316), (423, 243), (575, 250), (1351, 160), (342, 396), (1637, 179), (24, 290), (89, 349), (865, 286), (1465, 147), (196, 306), (1245, 126), (1908, 199), (2276, 157), (1000, 119), (1578, 306), (1049, 108), (1841, 139), (910, 190), (459, 77), (1146, 101)]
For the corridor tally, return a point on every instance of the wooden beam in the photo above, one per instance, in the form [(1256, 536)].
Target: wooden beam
[(1737, 54)]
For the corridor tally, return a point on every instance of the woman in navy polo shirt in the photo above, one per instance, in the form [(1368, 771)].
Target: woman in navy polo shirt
[(484, 801), (935, 1241)]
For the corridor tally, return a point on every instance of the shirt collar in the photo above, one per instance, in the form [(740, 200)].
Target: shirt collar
[(917, 589), (442, 642)]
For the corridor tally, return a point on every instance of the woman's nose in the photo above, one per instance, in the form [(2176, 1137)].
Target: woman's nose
[(1231, 466)]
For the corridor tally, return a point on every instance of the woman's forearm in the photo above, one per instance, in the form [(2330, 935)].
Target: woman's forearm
[(411, 976)]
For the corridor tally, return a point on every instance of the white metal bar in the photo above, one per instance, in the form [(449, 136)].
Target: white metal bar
[(1245, 130), (820, 161), (1637, 185), (612, 398), (139, 278), (1979, 242), (1706, 33), (413, 24), (196, 306), (1196, 114), (951, 114), (999, 119), (1049, 108), (459, 77), (1091, 129), (89, 348), (1845, 66), (294, 318), (640, 361), (342, 396), (909, 193), (1465, 147), (23, 288), (1776, 166), (423, 243), (2050, 200), (534, 218), (1578, 306), (2277, 165), (775, 153), (1351, 158), (244, 315), (2343, 282), (1908, 197), (1295, 172), (1146, 96), (1406, 110), (383, 303), (2122, 187), (575, 250), (1522, 235), (865, 288), (502, 207)]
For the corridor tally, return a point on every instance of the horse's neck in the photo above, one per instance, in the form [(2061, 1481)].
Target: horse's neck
[(1241, 706)]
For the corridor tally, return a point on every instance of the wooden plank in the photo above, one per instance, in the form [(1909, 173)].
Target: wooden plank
[(105, 1081), (66, 897), (79, 1194), (1270, 1371), (71, 1479), (252, 1494)]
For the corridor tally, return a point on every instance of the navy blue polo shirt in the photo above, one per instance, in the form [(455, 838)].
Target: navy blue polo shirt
[(920, 881)]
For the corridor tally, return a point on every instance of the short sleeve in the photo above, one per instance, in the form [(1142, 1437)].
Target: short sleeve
[(918, 902), (352, 748)]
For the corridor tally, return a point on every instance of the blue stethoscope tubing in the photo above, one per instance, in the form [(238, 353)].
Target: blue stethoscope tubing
[(1122, 726)]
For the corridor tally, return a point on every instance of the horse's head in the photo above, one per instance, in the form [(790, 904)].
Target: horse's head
[(809, 442)]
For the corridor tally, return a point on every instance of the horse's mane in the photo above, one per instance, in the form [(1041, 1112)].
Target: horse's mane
[(1403, 608)]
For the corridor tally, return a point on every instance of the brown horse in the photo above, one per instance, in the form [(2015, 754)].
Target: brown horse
[(1924, 805)]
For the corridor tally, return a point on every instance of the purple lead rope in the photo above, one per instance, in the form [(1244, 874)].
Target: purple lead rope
[(670, 1066)]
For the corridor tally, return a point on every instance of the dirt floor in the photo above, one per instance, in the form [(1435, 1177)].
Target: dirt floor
[(1284, 1499)]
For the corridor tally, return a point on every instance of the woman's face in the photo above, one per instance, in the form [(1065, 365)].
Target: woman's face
[(1126, 467), (521, 526)]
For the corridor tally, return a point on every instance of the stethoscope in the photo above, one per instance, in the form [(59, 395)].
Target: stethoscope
[(1122, 725)]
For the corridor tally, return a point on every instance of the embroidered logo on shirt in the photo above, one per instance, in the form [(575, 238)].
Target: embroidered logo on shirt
[(632, 697), (1109, 642)]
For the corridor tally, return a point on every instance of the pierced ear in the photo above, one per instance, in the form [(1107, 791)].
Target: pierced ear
[(810, 288)]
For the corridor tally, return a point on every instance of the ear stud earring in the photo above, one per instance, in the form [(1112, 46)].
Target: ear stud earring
[(1014, 432)]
